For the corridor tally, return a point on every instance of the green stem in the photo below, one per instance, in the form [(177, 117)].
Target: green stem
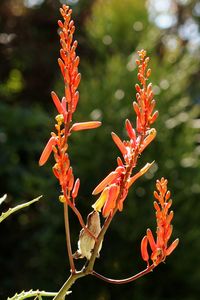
[(86, 270), (44, 294), (66, 286), (31, 294)]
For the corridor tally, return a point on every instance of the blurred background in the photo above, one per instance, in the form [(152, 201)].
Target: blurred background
[(33, 249)]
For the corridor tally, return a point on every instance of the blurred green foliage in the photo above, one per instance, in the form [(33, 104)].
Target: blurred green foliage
[(33, 251)]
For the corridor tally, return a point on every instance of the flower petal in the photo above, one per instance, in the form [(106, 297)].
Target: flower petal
[(57, 103), (85, 125), (130, 130), (119, 143), (111, 200), (172, 247), (47, 150), (76, 188), (144, 252), (101, 200), (151, 239), (148, 139), (140, 173), (106, 181)]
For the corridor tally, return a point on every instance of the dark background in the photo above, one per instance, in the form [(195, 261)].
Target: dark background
[(33, 250)]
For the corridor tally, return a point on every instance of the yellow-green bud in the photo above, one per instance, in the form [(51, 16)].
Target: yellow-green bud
[(62, 198), (59, 119)]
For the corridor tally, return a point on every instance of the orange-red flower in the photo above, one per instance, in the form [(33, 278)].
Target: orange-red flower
[(139, 138), (142, 135), (85, 125), (113, 189), (109, 188), (47, 150), (58, 143), (145, 103), (159, 247)]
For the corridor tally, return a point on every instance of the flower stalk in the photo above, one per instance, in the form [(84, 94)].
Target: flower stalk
[(58, 142)]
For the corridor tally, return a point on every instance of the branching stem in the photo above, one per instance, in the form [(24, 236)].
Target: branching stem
[(66, 286)]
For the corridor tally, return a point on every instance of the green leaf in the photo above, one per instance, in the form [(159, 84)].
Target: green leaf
[(6, 214)]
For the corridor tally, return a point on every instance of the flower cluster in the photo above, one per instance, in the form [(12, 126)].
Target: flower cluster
[(58, 143), (144, 107), (114, 188), (160, 248)]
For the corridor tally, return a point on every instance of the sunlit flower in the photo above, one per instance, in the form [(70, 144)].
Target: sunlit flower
[(159, 247), (139, 136), (58, 143)]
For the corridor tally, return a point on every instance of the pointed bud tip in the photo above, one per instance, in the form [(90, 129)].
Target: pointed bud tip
[(40, 163), (85, 125), (172, 247)]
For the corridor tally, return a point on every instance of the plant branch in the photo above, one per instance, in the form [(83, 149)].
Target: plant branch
[(66, 286), (30, 294), (87, 269), (68, 239), (77, 213), (125, 280), (10, 211)]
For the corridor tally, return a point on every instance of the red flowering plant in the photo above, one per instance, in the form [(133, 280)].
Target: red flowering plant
[(114, 188)]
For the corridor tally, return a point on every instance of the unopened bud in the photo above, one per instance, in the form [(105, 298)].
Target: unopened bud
[(59, 119)]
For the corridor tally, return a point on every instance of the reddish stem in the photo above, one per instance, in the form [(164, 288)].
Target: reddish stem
[(68, 239), (125, 280), (80, 218)]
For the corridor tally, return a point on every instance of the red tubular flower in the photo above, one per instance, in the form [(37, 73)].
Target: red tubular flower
[(139, 137), (119, 143), (85, 125), (144, 251), (68, 63), (160, 248), (151, 134), (131, 131), (110, 188), (76, 188), (58, 104), (47, 150), (111, 200), (145, 102), (58, 143), (112, 177), (172, 247), (131, 180), (151, 240)]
